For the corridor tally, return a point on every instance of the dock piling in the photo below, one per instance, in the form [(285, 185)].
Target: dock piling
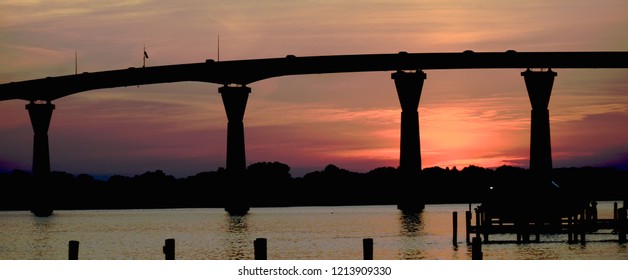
[(260, 248), (615, 210), (476, 249), (367, 244), (477, 223), (73, 250), (468, 226), (537, 231), (621, 225), (169, 249), (583, 227), (570, 230), (455, 228), (576, 228)]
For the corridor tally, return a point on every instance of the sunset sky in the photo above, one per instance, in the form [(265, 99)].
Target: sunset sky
[(351, 120)]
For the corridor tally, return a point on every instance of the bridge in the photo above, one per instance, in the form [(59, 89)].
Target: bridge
[(407, 71)]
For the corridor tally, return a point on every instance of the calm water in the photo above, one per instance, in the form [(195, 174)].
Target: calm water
[(294, 233)]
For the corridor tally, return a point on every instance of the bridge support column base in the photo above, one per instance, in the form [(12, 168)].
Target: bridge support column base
[(237, 210), (42, 211), (42, 197), (407, 207)]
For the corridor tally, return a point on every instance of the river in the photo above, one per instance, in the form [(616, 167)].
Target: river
[(292, 233)]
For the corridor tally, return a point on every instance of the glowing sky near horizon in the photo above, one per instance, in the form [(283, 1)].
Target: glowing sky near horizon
[(351, 120)]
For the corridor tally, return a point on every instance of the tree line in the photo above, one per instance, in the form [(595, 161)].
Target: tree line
[(271, 184)]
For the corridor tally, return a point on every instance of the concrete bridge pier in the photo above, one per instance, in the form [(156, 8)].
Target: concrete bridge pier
[(40, 115), (409, 86), (234, 99), (539, 86)]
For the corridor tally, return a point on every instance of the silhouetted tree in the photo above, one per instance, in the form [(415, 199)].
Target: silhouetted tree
[(382, 186), (270, 184)]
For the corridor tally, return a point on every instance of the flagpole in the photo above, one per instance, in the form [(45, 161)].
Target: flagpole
[(144, 57)]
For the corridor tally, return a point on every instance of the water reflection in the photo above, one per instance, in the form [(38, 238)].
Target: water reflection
[(410, 223), (293, 233), (44, 229), (238, 247), (410, 234)]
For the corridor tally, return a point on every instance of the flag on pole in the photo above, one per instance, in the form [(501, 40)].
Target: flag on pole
[(144, 57)]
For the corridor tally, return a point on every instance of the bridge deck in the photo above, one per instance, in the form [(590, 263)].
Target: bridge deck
[(243, 72)]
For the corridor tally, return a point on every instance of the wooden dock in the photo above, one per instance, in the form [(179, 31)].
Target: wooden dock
[(576, 227)]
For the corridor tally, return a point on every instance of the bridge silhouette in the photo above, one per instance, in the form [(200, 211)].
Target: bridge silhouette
[(407, 71)]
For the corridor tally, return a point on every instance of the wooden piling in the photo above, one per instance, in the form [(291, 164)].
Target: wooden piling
[(583, 227), (260, 248), (576, 228), (485, 225), (594, 213), (569, 230), (476, 249), (621, 224), (477, 223), (367, 244), (169, 249), (615, 211), (73, 250), (468, 226), (519, 239), (537, 229), (526, 231), (455, 228)]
